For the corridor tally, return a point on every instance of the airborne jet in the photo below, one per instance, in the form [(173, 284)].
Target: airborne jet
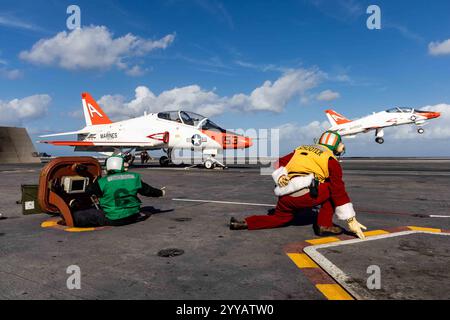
[(166, 130), (378, 121)]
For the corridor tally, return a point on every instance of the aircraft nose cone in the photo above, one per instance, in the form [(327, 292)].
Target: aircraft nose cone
[(248, 142), (432, 115)]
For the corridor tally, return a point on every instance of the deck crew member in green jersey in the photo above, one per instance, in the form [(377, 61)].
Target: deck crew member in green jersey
[(117, 195)]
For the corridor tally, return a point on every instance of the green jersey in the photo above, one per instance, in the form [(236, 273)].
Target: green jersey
[(119, 198)]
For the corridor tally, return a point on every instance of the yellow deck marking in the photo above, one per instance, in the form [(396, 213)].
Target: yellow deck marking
[(424, 229), (375, 233), (79, 229), (301, 260), (322, 240), (48, 224), (333, 292)]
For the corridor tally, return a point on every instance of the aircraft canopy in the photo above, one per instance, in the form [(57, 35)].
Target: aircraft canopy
[(399, 110), (190, 119)]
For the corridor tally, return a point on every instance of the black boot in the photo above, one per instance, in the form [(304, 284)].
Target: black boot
[(237, 225), (322, 231)]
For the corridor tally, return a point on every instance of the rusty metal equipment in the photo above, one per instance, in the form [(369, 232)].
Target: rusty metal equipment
[(65, 179)]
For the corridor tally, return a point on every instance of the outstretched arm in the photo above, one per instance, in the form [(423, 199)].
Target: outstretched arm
[(149, 191)]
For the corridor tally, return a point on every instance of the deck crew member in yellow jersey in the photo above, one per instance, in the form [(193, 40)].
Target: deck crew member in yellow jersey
[(308, 177)]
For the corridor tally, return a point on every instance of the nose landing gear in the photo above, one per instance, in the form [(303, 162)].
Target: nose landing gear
[(211, 163), (420, 130)]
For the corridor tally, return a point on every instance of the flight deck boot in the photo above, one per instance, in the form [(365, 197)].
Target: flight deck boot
[(237, 225), (322, 231)]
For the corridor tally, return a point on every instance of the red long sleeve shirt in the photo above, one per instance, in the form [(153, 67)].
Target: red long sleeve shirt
[(338, 193)]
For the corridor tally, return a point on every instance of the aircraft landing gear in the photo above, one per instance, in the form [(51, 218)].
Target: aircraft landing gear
[(379, 134), (211, 163), (164, 161), (420, 130), (379, 140)]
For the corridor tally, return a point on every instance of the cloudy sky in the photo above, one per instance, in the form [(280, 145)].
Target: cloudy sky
[(246, 64)]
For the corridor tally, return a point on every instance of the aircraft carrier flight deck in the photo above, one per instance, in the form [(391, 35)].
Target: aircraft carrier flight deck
[(185, 249)]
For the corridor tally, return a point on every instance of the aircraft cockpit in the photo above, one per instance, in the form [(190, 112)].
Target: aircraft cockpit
[(190, 119), (400, 110)]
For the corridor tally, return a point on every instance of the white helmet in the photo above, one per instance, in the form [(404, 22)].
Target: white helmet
[(115, 163)]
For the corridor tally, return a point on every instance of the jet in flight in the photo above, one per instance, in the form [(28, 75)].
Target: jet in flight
[(166, 130), (378, 121)]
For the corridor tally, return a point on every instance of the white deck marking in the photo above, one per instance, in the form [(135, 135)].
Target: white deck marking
[(227, 202), (398, 173), (340, 276), (437, 216)]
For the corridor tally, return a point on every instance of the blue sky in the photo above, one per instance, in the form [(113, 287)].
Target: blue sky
[(218, 51)]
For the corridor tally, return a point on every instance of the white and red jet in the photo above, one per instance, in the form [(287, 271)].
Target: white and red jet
[(378, 121), (166, 130)]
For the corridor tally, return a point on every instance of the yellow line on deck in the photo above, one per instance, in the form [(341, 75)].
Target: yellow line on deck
[(79, 229), (375, 233), (424, 229), (322, 240), (333, 292), (301, 260), (49, 223)]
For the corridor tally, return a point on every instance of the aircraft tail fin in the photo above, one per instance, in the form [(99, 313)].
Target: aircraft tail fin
[(336, 118), (93, 114)]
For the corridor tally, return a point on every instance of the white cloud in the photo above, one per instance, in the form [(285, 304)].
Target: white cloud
[(293, 133), (271, 96), (12, 22), (16, 111), (328, 95), (439, 48), (92, 47), (136, 71), (11, 74)]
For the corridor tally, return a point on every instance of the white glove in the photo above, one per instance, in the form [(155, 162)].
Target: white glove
[(356, 227)]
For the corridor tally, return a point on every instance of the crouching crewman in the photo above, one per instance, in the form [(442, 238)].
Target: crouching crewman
[(118, 203), (308, 177)]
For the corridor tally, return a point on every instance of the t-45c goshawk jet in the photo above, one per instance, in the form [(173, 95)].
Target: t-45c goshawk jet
[(378, 121), (166, 130)]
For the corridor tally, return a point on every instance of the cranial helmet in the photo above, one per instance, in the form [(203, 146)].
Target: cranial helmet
[(115, 163), (331, 140)]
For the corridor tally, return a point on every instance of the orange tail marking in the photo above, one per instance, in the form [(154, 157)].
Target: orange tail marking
[(95, 113), (338, 118)]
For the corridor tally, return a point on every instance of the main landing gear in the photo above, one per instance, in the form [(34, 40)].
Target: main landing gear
[(379, 134), (379, 140), (165, 161), (420, 130)]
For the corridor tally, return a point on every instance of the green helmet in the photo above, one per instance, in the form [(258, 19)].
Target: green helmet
[(330, 139), (115, 163)]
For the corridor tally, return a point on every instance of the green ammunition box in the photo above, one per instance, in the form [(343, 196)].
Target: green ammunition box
[(30, 204)]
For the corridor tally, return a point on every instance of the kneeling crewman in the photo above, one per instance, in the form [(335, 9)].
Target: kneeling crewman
[(308, 177), (117, 195)]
